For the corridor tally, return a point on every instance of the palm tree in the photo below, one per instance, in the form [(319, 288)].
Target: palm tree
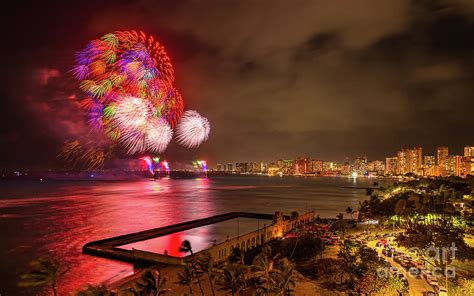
[(44, 272), (350, 211), (186, 248), (151, 283), (205, 263), (237, 256), (262, 269), (284, 277), (186, 278), (100, 290), (233, 278)]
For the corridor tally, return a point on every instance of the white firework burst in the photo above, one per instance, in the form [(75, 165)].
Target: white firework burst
[(133, 113), (133, 141), (192, 129), (158, 135)]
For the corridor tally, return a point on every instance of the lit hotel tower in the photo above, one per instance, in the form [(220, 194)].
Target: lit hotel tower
[(469, 151), (441, 155), (409, 161), (468, 160)]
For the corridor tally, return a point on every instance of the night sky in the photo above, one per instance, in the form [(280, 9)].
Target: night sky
[(277, 79)]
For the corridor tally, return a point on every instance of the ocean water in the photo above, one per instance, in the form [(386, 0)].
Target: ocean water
[(56, 218)]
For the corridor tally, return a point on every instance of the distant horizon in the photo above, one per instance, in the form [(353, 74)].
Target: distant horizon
[(124, 163)]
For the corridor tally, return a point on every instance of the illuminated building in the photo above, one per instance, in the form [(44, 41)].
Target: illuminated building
[(274, 168), (346, 169), (467, 165), (360, 166), (328, 166), (280, 164), (469, 151), (219, 167), (402, 162), (229, 167), (337, 168), (241, 167), (450, 165), (302, 166), (454, 165), (317, 166), (429, 167), (258, 167), (288, 167), (391, 165), (429, 160), (416, 160), (459, 166), (376, 167), (410, 161), (441, 154)]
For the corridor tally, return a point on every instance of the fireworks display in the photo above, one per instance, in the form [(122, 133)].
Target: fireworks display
[(84, 155), (128, 78), (192, 129), (201, 165)]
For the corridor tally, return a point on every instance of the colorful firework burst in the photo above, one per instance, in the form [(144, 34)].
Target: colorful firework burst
[(128, 79)]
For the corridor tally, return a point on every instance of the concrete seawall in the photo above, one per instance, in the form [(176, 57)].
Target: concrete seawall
[(161, 231), (277, 227)]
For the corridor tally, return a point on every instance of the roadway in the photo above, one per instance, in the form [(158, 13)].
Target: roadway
[(417, 285)]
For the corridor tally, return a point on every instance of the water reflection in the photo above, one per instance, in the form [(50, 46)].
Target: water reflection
[(58, 218)]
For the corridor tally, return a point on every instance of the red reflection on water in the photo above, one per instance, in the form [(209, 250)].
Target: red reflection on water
[(199, 238), (113, 209)]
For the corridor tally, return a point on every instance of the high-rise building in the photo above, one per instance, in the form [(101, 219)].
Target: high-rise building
[(459, 166), (316, 166), (409, 161), (360, 166), (302, 165), (280, 164), (288, 167), (429, 167), (391, 164), (328, 166), (469, 151), (467, 165), (402, 162), (454, 165), (429, 160), (273, 169), (450, 165), (416, 160), (241, 167), (256, 167), (346, 168), (441, 154), (376, 167)]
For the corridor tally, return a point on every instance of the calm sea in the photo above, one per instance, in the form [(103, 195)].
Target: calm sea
[(56, 218)]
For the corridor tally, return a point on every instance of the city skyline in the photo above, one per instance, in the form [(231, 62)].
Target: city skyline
[(410, 160)]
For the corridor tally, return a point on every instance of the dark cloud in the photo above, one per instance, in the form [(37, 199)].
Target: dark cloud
[(330, 79)]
